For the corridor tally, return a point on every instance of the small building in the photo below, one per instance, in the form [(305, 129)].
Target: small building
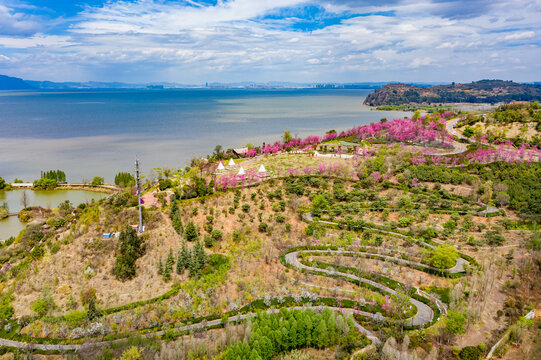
[(241, 151), (21, 185), (337, 146)]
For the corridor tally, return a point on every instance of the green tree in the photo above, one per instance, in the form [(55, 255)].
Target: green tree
[(97, 181), (444, 256), (92, 313), (320, 202), (199, 255), (455, 323), (131, 248), (468, 132), (2, 183), (287, 136), (191, 232), (124, 179), (185, 255)]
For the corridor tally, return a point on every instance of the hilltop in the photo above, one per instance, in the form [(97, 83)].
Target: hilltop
[(484, 91)]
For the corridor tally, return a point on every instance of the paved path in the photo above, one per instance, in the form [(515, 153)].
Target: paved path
[(424, 313)]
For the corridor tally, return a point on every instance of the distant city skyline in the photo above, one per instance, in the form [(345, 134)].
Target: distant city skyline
[(314, 41)]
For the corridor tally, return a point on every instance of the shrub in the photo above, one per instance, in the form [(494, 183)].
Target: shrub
[(45, 184), (43, 305), (246, 208), (75, 318), (133, 353), (263, 227), (470, 353), (217, 235), (6, 309), (164, 184), (280, 218), (2, 183), (88, 294), (208, 241)]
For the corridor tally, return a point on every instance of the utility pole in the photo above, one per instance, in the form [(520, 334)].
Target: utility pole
[(140, 228)]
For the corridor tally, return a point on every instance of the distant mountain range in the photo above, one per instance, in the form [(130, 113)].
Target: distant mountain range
[(484, 91), (12, 83), (385, 93)]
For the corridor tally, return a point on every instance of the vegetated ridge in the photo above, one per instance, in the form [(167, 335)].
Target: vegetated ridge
[(13, 83), (483, 91)]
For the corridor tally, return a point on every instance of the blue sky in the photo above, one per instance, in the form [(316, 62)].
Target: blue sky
[(195, 41)]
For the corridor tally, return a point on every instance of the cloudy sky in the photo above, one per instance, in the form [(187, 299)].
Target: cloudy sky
[(194, 41)]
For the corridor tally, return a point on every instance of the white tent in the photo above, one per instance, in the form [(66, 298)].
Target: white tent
[(241, 171), (262, 169), (221, 166), (231, 162)]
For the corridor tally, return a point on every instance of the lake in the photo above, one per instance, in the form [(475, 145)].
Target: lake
[(48, 199), (99, 133)]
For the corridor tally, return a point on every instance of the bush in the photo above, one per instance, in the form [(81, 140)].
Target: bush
[(75, 318), (2, 183), (43, 305), (280, 218), (45, 184), (470, 353), (164, 184), (263, 227), (6, 309), (208, 241), (217, 235)]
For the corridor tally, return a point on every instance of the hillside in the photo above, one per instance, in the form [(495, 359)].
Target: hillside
[(13, 83), (405, 243), (484, 91)]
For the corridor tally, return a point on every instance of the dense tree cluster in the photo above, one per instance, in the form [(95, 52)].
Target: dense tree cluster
[(272, 334), (176, 220), (56, 175), (192, 260), (124, 179), (131, 248)]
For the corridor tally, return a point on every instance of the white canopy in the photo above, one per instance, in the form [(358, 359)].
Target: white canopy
[(241, 171), (221, 166), (231, 162), (262, 169)]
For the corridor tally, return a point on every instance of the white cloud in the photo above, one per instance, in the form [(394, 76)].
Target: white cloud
[(50, 42), (17, 23), (418, 62), (522, 35), (229, 42)]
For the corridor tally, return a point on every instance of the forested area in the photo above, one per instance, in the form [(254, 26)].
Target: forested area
[(272, 334)]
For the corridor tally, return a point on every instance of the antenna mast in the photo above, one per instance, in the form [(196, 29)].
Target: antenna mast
[(138, 184)]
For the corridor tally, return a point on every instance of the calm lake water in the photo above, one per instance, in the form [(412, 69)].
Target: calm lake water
[(98, 133), (49, 199)]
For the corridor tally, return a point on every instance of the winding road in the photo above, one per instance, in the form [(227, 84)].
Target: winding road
[(423, 316)]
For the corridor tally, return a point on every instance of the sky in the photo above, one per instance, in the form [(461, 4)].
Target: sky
[(198, 41)]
